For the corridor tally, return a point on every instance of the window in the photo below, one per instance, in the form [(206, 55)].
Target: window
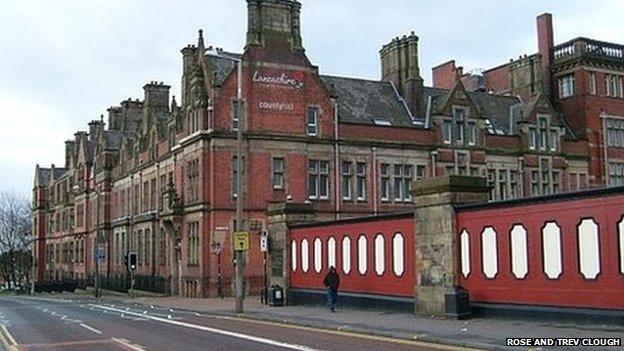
[(278, 173), (545, 179), (360, 171), (616, 174), (613, 85), (513, 184), (163, 190), (162, 248), (532, 138), (462, 163), (591, 77), (555, 182), (318, 180), (566, 86), (403, 182), (502, 184), (472, 133), (312, 121), (347, 180), (140, 247), (535, 183), (554, 137), (193, 243), (459, 117), (447, 131), (615, 132), (491, 182), (385, 182), (148, 247), (192, 186), (543, 132)]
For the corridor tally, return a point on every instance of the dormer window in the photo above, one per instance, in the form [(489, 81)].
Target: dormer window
[(543, 136), (472, 133)]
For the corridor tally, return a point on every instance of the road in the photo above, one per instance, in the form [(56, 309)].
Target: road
[(38, 323)]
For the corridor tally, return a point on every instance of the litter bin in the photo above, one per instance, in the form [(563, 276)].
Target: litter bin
[(457, 303), (276, 295)]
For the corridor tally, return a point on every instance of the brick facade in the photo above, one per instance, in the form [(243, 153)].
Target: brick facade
[(160, 172)]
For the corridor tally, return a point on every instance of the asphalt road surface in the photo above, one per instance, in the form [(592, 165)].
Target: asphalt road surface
[(62, 324)]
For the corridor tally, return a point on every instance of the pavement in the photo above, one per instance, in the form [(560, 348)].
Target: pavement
[(480, 333)]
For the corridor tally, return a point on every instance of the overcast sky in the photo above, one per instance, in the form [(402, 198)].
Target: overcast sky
[(63, 63)]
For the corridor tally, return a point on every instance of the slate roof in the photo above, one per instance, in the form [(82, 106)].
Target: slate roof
[(43, 176), (222, 66), (495, 108), (112, 139), (364, 101)]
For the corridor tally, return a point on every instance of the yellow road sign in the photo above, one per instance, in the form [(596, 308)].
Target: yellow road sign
[(241, 241)]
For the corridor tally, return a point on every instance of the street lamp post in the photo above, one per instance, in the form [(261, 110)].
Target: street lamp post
[(240, 293), (33, 242), (96, 240)]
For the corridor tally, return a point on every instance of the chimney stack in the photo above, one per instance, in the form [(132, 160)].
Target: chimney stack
[(399, 65), (545, 44)]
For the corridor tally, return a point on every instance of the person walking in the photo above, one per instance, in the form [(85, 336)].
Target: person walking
[(332, 282)]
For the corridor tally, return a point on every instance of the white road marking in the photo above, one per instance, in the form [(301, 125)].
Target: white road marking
[(90, 328), (128, 344), (220, 331), (8, 335)]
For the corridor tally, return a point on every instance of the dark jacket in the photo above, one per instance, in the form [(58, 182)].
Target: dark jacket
[(332, 280)]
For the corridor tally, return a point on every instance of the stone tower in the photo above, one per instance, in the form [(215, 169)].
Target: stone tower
[(399, 65), (274, 23)]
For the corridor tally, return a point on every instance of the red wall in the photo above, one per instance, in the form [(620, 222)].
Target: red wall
[(571, 289), (388, 283)]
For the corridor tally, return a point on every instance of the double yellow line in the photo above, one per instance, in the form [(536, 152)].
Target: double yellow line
[(7, 339)]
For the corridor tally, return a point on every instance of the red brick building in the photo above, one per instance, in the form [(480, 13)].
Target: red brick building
[(159, 178)]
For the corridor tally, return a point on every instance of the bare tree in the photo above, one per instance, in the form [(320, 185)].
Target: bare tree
[(15, 229)]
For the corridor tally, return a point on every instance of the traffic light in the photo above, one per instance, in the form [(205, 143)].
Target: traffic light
[(132, 261)]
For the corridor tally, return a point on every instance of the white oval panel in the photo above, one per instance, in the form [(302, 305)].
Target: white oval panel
[(318, 255), (519, 252), (465, 252), (489, 253), (305, 263), (398, 254), (293, 255), (380, 263), (621, 235), (588, 249), (362, 255), (551, 240), (346, 255), (331, 252)]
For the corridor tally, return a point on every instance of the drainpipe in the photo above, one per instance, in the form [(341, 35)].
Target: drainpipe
[(337, 161), (603, 116), (374, 168)]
